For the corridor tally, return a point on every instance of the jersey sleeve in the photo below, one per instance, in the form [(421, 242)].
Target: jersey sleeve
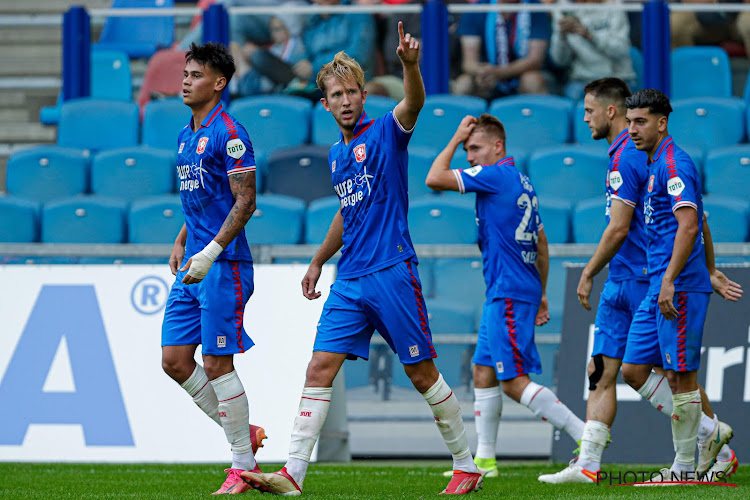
[(238, 153), (624, 181), (477, 179), (682, 182), (397, 135)]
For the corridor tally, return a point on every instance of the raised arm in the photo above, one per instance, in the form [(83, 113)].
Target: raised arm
[(408, 109), (441, 177)]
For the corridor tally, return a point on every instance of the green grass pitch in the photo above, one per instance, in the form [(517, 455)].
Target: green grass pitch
[(358, 480)]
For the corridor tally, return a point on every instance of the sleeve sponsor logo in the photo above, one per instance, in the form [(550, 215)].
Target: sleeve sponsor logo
[(675, 186), (473, 171), (201, 145), (236, 148), (333, 166), (615, 180), (182, 146)]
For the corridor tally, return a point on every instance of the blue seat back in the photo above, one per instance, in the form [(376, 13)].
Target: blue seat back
[(440, 117), (460, 281), (138, 36), (727, 171), (96, 124), (568, 173), (155, 219), (274, 122), (45, 172), (555, 215), (277, 220), (533, 121), (420, 161), (110, 75), (727, 218), (589, 220), (162, 122), (301, 172), (84, 219), (449, 317), (708, 122), (130, 173), (440, 219), (318, 218), (700, 72), (19, 220)]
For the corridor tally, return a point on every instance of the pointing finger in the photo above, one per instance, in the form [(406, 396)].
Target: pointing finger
[(400, 30)]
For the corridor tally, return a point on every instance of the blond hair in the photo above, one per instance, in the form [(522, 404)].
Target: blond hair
[(342, 67)]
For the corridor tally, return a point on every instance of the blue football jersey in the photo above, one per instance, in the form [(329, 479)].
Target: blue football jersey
[(369, 176), (673, 183), (205, 159), (508, 218), (626, 179)]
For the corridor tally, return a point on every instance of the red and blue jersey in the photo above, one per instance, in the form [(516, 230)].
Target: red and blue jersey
[(205, 160), (508, 218), (369, 176), (626, 180), (673, 183)]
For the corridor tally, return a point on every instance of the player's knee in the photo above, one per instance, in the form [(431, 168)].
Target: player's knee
[(423, 375), (176, 368), (633, 376)]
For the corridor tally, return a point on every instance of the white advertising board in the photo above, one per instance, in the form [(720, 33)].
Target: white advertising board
[(80, 365)]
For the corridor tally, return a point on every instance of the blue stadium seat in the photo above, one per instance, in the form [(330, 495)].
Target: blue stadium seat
[(727, 218), (274, 121), (460, 281), (277, 221), (139, 37), (19, 220), (589, 220), (533, 121), (437, 219), (427, 276), (130, 173), (325, 131), (700, 72), (727, 171), (97, 124), (567, 172), (440, 117), (301, 172), (555, 215), (707, 122), (45, 172), (696, 154), (446, 316), (420, 161), (162, 122), (84, 219), (155, 219), (582, 133), (378, 105), (318, 218), (637, 57)]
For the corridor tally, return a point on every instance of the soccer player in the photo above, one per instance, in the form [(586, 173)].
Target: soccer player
[(516, 261), (623, 246), (216, 170), (377, 285), (667, 328)]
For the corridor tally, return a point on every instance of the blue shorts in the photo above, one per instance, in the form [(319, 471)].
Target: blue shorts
[(506, 338), (211, 312), (617, 305), (389, 301), (676, 345)]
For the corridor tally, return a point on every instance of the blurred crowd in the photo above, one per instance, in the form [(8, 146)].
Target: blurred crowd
[(491, 54)]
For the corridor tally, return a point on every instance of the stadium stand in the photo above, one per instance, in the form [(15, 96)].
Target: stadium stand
[(440, 117), (138, 36), (163, 76), (727, 171), (589, 221), (274, 121), (45, 172), (567, 172), (19, 220), (727, 218), (555, 215), (131, 173), (446, 316), (325, 131), (460, 281), (155, 219), (301, 172), (96, 124), (442, 220), (533, 121), (84, 219), (318, 218), (637, 57), (707, 122), (700, 72), (277, 220), (420, 161), (162, 121)]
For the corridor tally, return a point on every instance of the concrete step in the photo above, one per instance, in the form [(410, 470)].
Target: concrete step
[(16, 35), (16, 115), (24, 132), (31, 60)]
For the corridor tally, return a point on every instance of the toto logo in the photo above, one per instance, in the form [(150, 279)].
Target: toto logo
[(149, 295)]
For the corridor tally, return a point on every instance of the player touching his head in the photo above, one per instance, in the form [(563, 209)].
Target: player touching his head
[(377, 285), (516, 261)]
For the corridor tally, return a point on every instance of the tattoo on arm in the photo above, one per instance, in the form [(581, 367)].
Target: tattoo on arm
[(243, 189)]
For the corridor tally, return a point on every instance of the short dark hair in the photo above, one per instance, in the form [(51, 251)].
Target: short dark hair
[(611, 90), (491, 125), (654, 100), (214, 55)]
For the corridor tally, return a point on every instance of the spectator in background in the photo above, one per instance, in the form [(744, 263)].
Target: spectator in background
[(503, 53), (710, 28), (591, 45), (242, 28)]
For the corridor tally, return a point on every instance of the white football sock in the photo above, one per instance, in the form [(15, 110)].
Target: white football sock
[(234, 413), (685, 420), (488, 406), (447, 412), (311, 415), (706, 426), (546, 406), (593, 442), (202, 393), (656, 390)]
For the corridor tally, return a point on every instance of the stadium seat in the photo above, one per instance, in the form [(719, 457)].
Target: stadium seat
[(19, 220), (727, 171), (155, 219), (441, 220), (460, 281), (567, 172), (427, 276), (581, 130), (727, 218), (130, 173), (139, 37), (533, 121), (325, 131), (589, 220), (163, 76), (45, 172), (274, 121), (301, 172), (162, 122), (555, 215), (420, 161), (84, 219), (707, 122), (277, 221), (440, 117), (696, 154), (446, 316), (637, 57), (318, 218), (96, 124), (700, 72)]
